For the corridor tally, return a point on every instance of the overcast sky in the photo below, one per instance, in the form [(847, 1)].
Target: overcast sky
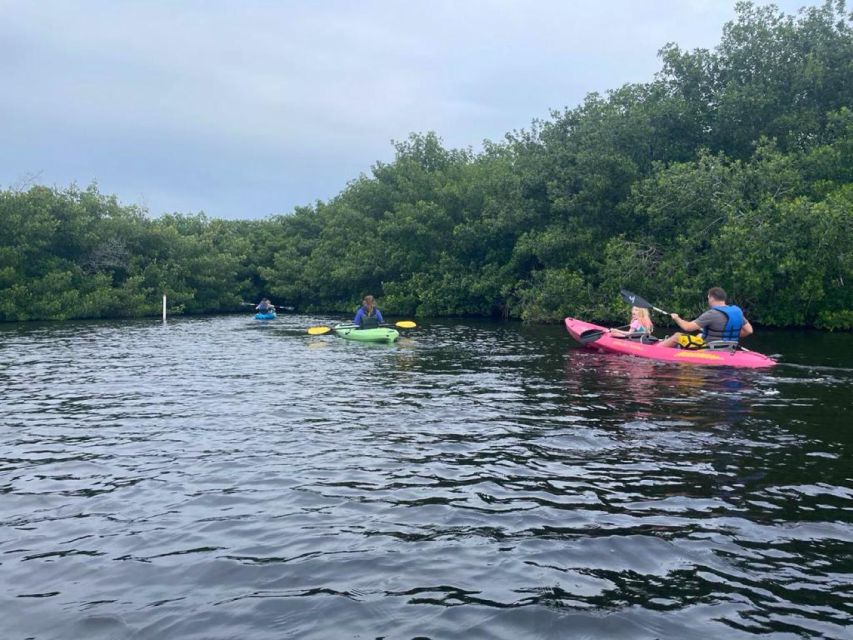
[(246, 108)]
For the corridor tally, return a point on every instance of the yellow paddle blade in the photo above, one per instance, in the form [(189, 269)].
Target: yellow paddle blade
[(319, 331), (405, 324)]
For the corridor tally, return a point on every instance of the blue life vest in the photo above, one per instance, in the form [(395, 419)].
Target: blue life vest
[(734, 322)]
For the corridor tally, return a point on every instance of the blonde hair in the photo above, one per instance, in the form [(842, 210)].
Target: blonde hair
[(644, 318)]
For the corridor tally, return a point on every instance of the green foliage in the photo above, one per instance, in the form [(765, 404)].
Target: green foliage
[(79, 254), (552, 294), (732, 167)]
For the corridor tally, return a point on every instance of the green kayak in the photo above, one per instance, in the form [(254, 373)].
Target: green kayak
[(381, 334)]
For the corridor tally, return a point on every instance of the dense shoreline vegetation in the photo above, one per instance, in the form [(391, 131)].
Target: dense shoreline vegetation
[(732, 167)]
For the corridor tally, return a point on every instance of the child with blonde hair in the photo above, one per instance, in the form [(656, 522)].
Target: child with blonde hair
[(641, 322)]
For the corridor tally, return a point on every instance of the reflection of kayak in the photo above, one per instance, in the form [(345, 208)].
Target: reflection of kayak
[(380, 334), (723, 357), (271, 315)]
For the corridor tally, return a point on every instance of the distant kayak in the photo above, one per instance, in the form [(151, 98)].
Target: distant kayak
[(380, 334), (724, 357), (266, 316)]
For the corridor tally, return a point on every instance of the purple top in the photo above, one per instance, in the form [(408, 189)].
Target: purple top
[(362, 313)]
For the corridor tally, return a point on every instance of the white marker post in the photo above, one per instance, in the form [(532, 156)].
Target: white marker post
[(164, 307)]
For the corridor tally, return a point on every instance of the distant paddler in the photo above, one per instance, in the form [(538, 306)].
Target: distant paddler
[(368, 316)]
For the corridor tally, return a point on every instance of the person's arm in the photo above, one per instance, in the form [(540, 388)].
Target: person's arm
[(379, 316), (358, 315), (686, 325), (746, 329)]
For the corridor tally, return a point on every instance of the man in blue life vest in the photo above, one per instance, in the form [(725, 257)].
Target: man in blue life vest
[(721, 322)]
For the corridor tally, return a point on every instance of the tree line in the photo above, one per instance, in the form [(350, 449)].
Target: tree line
[(732, 167)]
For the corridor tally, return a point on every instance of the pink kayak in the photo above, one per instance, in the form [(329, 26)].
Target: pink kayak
[(709, 357)]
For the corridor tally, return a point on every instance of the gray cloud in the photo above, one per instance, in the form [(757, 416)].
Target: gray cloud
[(246, 109)]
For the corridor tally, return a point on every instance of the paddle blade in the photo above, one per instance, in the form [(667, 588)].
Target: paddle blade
[(634, 300), (319, 331), (591, 335), (405, 324)]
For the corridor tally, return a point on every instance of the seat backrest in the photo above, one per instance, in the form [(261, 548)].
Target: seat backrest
[(369, 322), (722, 344)]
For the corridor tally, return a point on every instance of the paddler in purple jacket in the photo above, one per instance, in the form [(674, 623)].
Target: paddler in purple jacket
[(368, 316)]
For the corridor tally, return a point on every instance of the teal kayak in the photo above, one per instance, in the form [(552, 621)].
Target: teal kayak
[(380, 334), (271, 315)]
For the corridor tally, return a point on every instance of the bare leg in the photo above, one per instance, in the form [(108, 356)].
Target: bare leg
[(670, 341)]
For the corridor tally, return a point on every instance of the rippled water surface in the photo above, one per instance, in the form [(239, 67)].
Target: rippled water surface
[(224, 478)]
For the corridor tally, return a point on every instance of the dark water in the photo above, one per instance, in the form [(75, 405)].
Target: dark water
[(218, 478)]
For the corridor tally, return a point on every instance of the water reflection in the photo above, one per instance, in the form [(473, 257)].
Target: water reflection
[(212, 479), (643, 389)]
